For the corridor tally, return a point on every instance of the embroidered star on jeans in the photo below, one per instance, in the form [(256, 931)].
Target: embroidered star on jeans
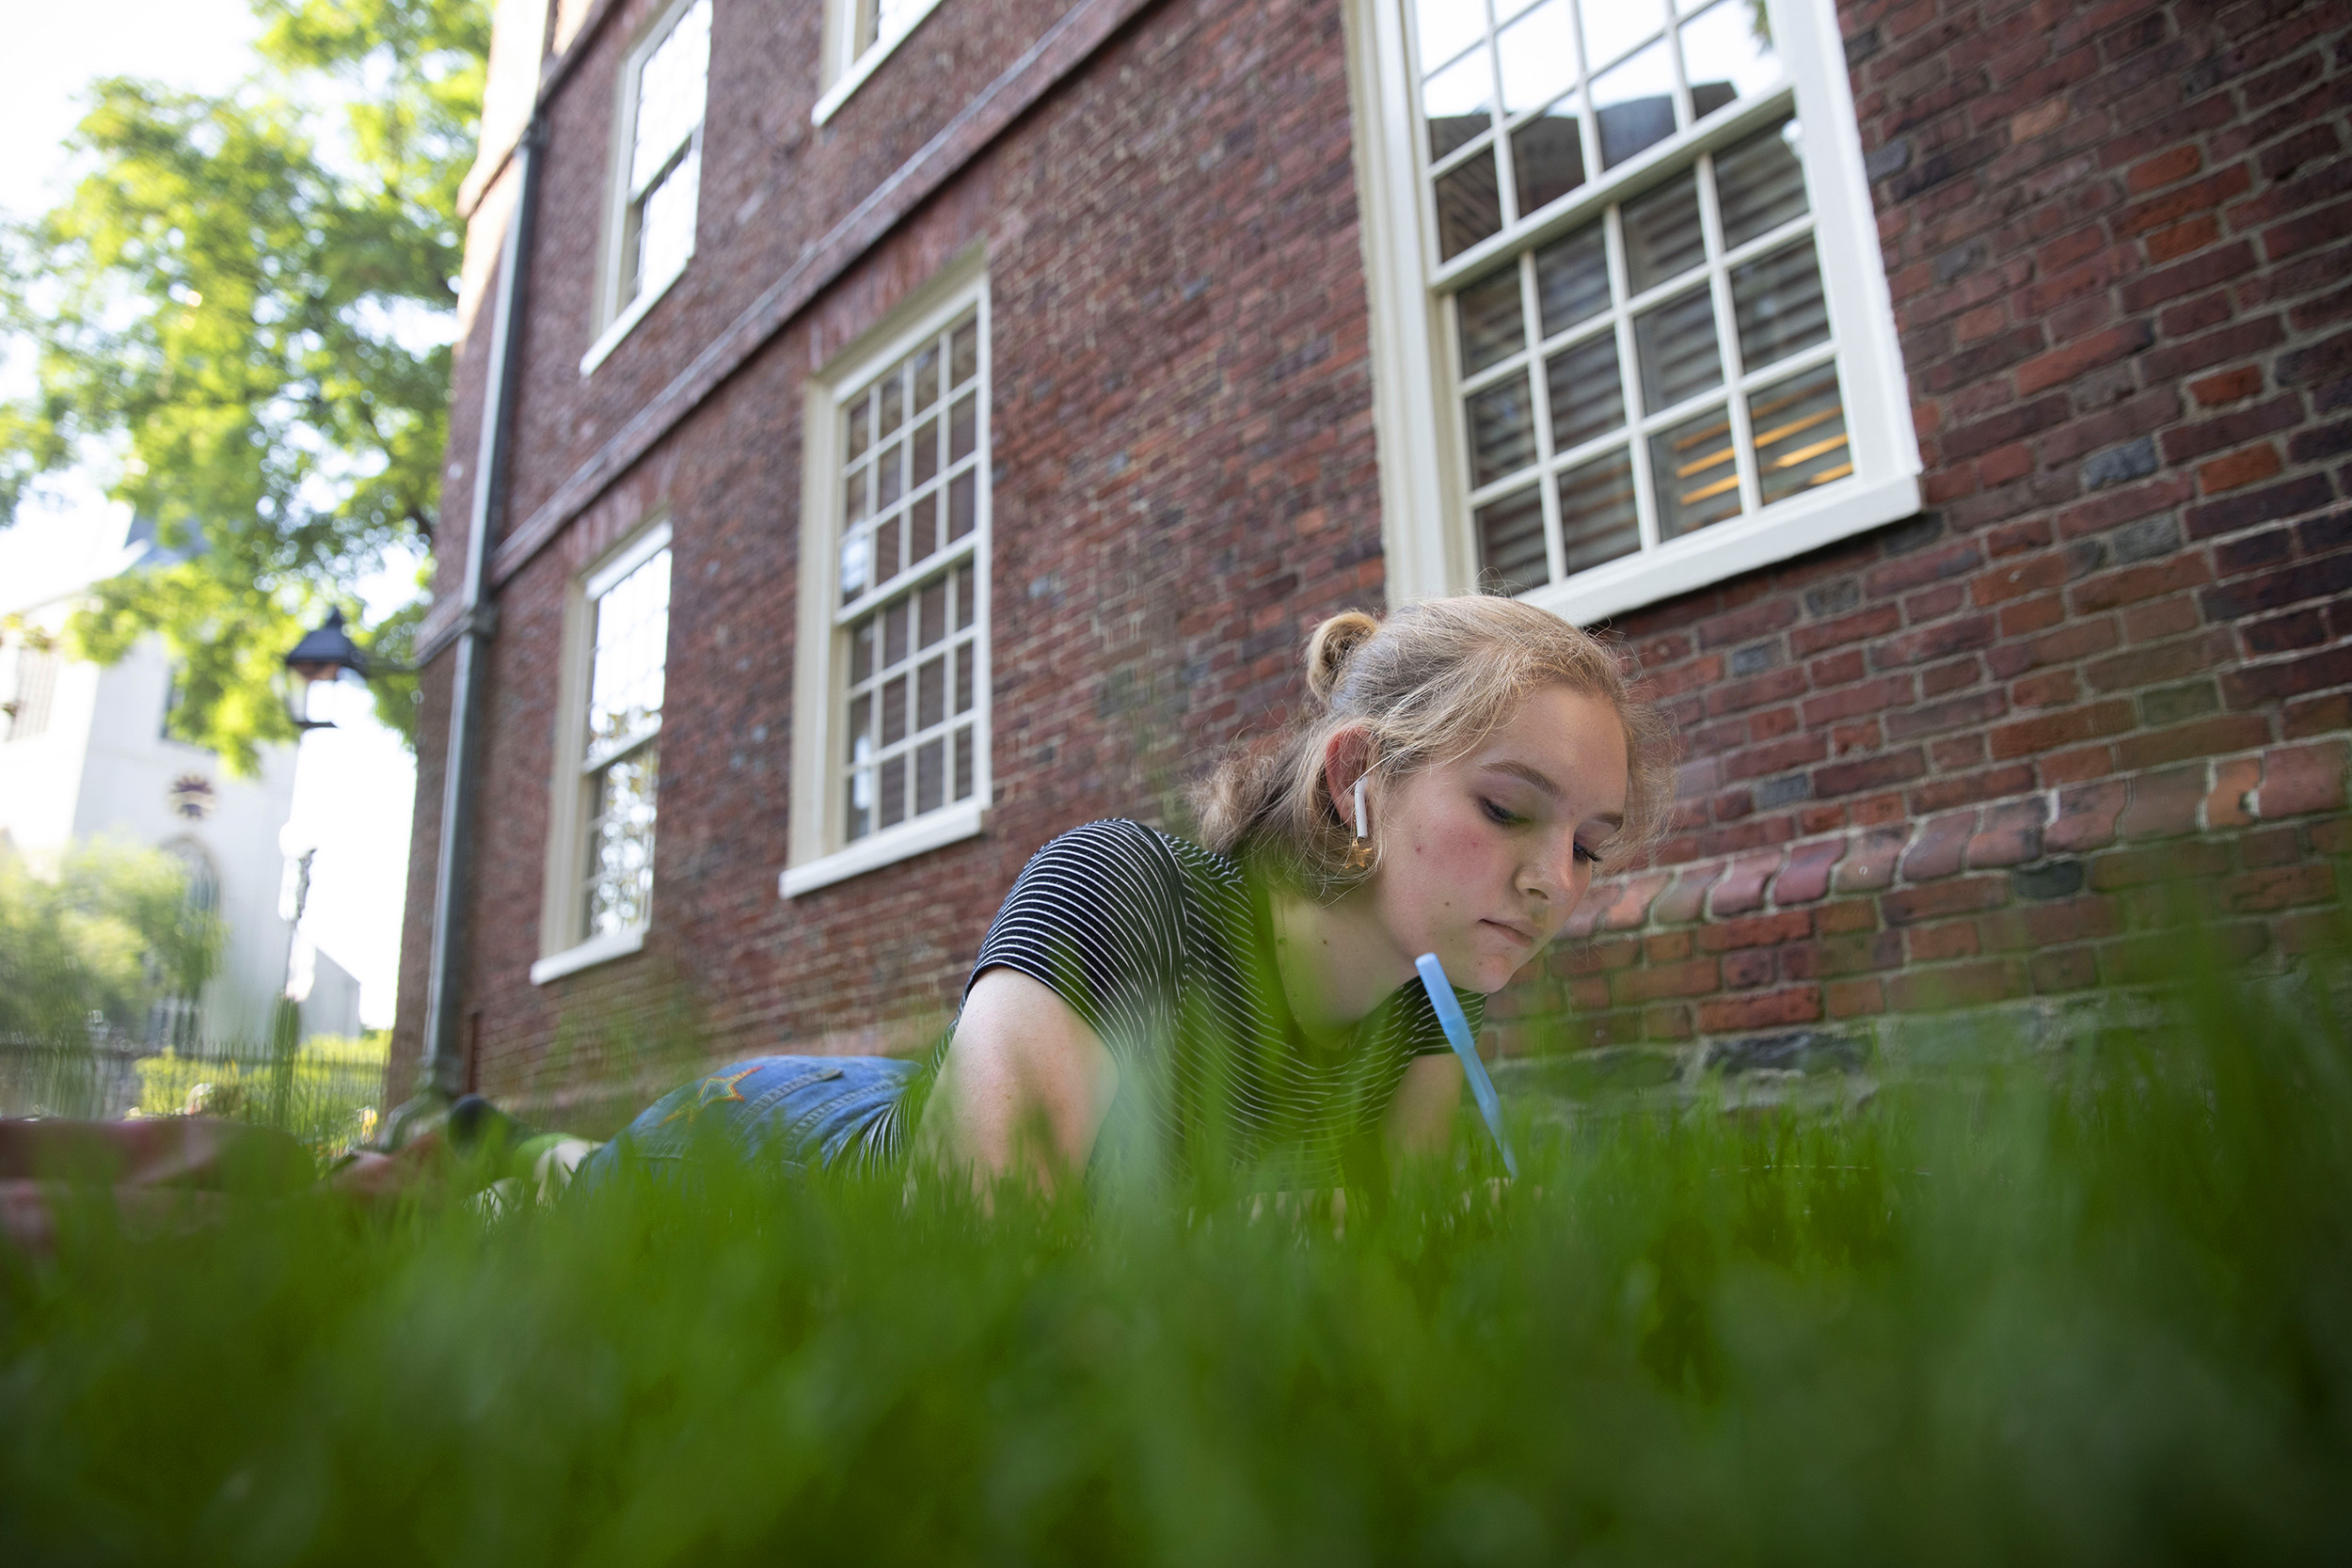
[(710, 1091)]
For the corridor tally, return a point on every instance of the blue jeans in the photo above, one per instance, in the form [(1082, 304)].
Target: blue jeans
[(796, 1112)]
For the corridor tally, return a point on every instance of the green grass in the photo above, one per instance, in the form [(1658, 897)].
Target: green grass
[(2097, 1310)]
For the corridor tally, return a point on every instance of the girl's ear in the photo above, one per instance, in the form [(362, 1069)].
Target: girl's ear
[(1346, 756)]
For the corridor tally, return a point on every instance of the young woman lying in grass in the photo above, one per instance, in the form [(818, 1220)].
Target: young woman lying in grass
[(1459, 772)]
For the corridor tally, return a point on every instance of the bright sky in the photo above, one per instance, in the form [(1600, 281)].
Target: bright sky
[(355, 783)]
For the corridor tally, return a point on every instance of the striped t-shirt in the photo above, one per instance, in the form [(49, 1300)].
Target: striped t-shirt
[(1164, 948)]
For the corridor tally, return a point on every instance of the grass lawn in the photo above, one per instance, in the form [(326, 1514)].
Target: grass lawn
[(2097, 1310)]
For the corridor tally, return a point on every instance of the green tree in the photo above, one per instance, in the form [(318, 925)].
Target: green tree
[(241, 314), (112, 933)]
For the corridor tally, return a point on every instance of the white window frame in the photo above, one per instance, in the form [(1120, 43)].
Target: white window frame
[(620, 316), (847, 66), (1417, 409), (819, 857), (563, 950)]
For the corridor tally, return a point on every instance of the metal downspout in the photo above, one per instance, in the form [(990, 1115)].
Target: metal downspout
[(440, 1072)]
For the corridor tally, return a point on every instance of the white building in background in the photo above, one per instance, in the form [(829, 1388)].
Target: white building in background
[(84, 755)]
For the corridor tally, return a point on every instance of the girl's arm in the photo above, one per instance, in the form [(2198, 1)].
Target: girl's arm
[(1024, 1085), (1421, 1119)]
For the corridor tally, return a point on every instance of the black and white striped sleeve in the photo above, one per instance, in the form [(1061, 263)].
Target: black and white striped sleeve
[(1097, 915)]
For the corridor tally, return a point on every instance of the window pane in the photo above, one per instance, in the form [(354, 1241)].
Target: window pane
[(1572, 278), (964, 606), (925, 379), (1800, 431), (861, 428), (1470, 206), (933, 600), (1445, 28), (1662, 236), (893, 710), (959, 492), (670, 92), (1676, 345), (862, 650), (1599, 515), (963, 428), (1726, 55), (887, 561), (924, 447), (619, 873), (1547, 156), (930, 692), (1491, 323), (861, 727), (1588, 393), (963, 679), (1759, 184), (665, 228), (1455, 103), (1538, 56), (894, 634), (853, 499), (1635, 105), (1501, 429), (892, 405), (964, 356), (1696, 478), (930, 775), (963, 763), (857, 565), (888, 474), (1778, 301), (922, 527), (894, 790), (1612, 26), (632, 632), (1511, 555)]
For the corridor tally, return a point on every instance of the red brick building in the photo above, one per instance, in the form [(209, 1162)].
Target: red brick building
[(933, 425)]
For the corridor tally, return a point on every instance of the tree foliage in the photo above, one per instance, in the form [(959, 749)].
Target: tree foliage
[(114, 931), (242, 313)]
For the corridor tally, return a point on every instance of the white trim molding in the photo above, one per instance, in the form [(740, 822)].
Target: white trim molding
[(963, 820), (601, 948), (822, 850)]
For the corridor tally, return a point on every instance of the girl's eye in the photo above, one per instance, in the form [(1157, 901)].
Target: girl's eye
[(1586, 853), (1497, 814)]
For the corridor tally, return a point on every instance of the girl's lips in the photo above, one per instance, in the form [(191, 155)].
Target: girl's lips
[(1522, 934)]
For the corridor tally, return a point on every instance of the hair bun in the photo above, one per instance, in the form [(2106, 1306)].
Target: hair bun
[(1333, 644)]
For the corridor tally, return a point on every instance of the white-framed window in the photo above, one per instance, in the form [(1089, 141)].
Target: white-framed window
[(657, 173), (892, 752), (609, 761), (1638, 248), (28, 674), (858, 36)]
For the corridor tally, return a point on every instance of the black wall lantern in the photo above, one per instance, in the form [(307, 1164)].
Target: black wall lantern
[(323, 654)]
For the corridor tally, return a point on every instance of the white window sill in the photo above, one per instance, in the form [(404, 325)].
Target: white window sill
[(1727, 550), (596, 950), (631, 313), (866, 63), (892, 844)]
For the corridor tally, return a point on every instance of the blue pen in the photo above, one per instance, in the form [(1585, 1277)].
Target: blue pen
[(1458, 1034)]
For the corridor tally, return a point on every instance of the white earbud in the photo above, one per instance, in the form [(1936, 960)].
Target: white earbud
[(1362, 829)]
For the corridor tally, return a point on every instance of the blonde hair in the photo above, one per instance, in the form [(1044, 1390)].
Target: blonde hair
[(1427, 685)]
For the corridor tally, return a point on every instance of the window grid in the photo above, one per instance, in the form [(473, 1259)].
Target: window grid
[(913, 456), (621, 763), (665, 154), (1634, 418), (1527, 103)]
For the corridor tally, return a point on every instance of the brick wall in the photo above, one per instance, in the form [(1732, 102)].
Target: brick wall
[(1184, 469), (1970, 758), (2100, 684)]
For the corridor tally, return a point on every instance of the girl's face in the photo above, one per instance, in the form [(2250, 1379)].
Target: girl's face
[(1482, 858)]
